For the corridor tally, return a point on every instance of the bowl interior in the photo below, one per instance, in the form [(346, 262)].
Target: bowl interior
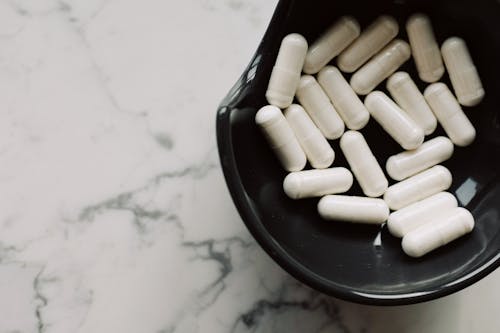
[(359, 262)]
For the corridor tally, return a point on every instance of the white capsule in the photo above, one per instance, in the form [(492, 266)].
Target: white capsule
[(405, 92), (418, 187), (318, 151), (316, 103), (439, 232), (424, 48), (285, 75), (403, 221), (449, 114), (463, 74), (411, 162), (371, 40), (331, 43), (353, 209), (316, 183), (363, 164), (394, 121), (380, 66), (345, 100), (281, 138)]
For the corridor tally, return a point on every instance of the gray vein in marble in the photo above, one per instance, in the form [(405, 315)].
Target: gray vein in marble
[(65, 9), (164, 139), (94, 14), (20, 10), (42, 300), (313, 302), (125, 201), (277, 302), (209, 295), (222, 258), (7, 250), (23, 10)]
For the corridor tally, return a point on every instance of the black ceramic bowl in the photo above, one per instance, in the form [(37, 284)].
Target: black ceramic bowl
[(359, 263)]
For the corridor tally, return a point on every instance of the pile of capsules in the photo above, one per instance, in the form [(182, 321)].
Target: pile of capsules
[(423, 214)]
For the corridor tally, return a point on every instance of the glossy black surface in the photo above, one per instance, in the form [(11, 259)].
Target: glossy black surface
[(362, 263)]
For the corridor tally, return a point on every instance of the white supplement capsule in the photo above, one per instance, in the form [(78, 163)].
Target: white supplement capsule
[(394, 121), (449, 114), (424, 48), (318, 151), (405, 92), (316, 183), (281, 138), (463, 74), (285, 75), (411, 162), (345, 100), (380, 66), (418, 187), (316, 103), (371, 40), (331, 43), (430, 236), (353, 209), (402, 221), (363, 164)]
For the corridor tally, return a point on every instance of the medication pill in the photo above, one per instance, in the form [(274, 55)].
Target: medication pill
[(344, 99), (318, 151), (316, 183), (405, 92), (363, 164), (331, 43), (285, 75), (403, 221), (449, 114), (411, 162), (418, 187), (394, 121), (316, 103), (430, 236), (424, 48), (463, 74), (371, 40), (353, 209), (281, 138), (380, 66)]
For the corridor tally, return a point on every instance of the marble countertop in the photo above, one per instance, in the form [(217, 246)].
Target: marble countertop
[(114, 215)]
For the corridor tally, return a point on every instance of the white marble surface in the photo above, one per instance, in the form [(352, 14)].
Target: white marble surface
[(114, 216)]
